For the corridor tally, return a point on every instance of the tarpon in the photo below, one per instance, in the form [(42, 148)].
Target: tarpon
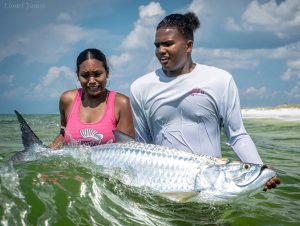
[(175, 174)]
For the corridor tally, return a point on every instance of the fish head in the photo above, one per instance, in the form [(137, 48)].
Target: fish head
[(247, 176), (233, 180)]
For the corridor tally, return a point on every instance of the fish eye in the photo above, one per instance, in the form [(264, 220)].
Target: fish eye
[(246, 166)]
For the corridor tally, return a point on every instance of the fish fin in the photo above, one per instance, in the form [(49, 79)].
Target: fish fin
[(179, 196), (28, 136), (121, 137)]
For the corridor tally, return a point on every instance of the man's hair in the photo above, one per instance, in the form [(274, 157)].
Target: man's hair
[(185, 23)]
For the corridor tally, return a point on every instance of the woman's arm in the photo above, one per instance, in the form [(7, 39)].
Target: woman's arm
[(65, 102), (123, 115)]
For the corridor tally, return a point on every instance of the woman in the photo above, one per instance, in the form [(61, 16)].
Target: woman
[(90, 114)]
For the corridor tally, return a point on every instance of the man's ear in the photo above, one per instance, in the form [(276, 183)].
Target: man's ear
[(189, 46)]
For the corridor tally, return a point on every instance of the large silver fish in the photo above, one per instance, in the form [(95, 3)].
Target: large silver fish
[(175, 174)]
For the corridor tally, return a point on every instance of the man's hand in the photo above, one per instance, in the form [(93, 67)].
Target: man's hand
[(272, 183)]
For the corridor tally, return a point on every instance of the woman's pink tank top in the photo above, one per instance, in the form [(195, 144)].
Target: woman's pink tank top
[(94, 133)]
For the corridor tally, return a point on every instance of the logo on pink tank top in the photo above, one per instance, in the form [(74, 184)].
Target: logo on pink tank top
[(89, 133), (91, 137)]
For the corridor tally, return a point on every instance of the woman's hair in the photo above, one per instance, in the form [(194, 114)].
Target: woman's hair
[(185, 23), (91, 54)]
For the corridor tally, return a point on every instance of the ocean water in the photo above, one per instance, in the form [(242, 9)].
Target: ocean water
[(62, 191)]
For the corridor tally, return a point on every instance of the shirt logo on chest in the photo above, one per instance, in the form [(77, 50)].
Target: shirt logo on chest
[(196, 92), (90, 133)]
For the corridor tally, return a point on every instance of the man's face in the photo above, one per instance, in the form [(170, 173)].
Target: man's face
[(172, 50)]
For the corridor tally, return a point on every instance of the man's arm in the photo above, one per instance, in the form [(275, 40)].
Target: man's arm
[(234, 129), (238, 138), (245, 149), (142, 132)]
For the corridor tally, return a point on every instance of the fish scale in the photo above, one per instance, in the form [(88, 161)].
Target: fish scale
[(150, 167)]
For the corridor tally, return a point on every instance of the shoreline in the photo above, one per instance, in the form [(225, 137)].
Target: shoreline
[(284, 113)]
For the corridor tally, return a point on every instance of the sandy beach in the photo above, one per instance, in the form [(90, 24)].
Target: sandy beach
[(286, 114)]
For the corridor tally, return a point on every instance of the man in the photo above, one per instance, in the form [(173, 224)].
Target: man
[(184, 104)]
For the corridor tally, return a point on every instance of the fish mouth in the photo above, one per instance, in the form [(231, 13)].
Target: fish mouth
[(263, 167)]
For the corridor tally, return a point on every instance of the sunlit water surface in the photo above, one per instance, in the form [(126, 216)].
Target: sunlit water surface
[(64, 191)]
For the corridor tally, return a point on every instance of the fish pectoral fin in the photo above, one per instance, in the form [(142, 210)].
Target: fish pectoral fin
[(179, 196), (121, 137)]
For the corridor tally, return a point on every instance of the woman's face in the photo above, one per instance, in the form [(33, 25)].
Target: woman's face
[(92, 77)]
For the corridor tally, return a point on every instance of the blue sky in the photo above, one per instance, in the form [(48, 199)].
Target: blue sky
[(258, 42)]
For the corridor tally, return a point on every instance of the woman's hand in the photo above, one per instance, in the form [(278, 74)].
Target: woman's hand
[(57, 143)]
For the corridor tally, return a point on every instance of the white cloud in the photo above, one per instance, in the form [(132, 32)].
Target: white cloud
[(292, 71), (52, 85), (283, 52), (227, 58), (137, 48), (232, 25), (269, 16), (197, 6), (151, 10), (55, 72), (294, 64), (144, 28), (6, 79), (261, 93), (120, 60), (50, 43), (295, 91), (63, 16), (275, 16), (244, 58), (254, 91)]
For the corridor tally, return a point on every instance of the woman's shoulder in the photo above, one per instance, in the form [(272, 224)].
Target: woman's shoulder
[(68, 96), (121, 99)]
